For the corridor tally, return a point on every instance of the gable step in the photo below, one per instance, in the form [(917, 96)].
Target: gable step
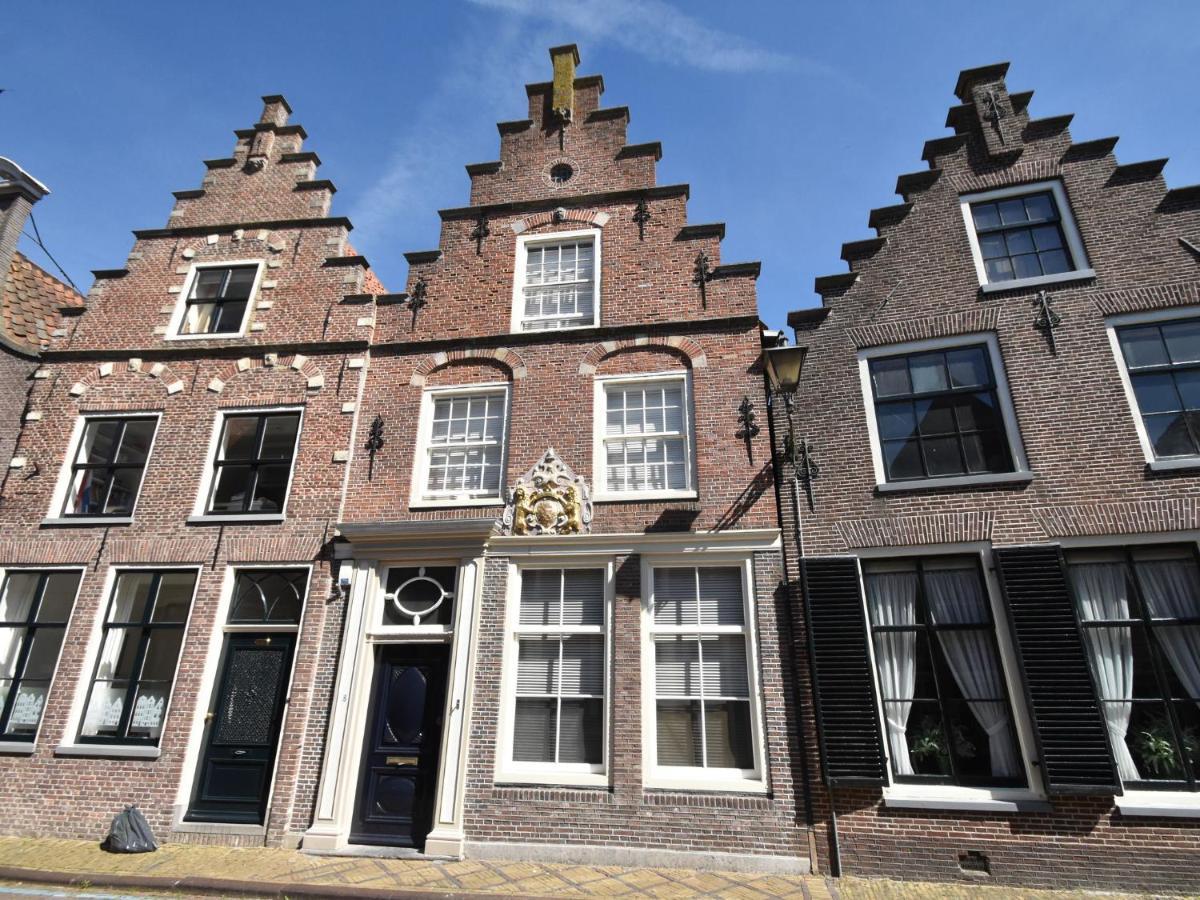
[(864, 249), (1095, 149), (694, 232), (943, 146), (887, 216), (841, 281), (1138, 171), (915, 182)]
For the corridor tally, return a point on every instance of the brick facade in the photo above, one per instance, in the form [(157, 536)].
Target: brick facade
[(1090, 481)]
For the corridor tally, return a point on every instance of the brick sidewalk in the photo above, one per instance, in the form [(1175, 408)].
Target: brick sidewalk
[(203, 869)]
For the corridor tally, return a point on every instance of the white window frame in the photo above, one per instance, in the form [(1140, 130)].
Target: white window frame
[(1112, 324), (511, 771), (71, 745), (523, 243), (176, 323), (1016, 447), (220, 630), (1032, 797), (700, 778), (599, 437), (422, 498), (1082, 268), (26, 748), (56, 515), (200, 512)]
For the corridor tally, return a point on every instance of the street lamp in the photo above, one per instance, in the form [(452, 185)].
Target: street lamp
[(783, 366)]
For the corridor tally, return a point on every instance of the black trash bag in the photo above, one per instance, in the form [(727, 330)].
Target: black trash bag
[(130, 833)]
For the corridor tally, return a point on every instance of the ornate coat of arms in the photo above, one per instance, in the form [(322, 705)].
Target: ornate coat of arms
[(549, 499)]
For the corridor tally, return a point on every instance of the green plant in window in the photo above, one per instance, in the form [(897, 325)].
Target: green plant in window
[(1155, 747), (929, 745)]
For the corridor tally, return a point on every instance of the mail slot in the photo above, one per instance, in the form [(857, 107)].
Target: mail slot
[(401, 760)]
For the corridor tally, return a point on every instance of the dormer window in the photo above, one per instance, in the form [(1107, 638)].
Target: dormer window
[(557, 282), (1024, 236), (216, 301)]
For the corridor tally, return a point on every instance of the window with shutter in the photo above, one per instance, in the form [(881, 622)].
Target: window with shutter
[(705, 718), (1069, 726), (558, 653), (847, 709)]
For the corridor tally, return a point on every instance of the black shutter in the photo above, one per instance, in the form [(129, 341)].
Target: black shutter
[(847, 710), (1072, 737)]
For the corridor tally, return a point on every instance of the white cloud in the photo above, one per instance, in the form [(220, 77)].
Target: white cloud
[(651, 28)]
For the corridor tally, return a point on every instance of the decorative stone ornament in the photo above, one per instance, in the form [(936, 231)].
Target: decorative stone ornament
[(549, 499)]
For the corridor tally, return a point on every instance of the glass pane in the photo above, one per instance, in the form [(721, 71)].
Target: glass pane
[(99, 441), (540, 593), (724, 666), (968, 367), (675, 596), (1026, 266), (124, 491), (581, 732), (227, 318), (928, 372), (721, 596), (201, 318), (10, 649), (987, 451), (1040, 207), (728, 735), (104, 709), (890, 377), (678, 733), (89, 491), (896, 420), (537, 666), (976, 411), (677, 667), (583, 665), (1183, 340), (1143, 346), (1019, 241), (1047, 237), (149, 707), (936, 417), (993, 245), (240, 281), (27, 706), (207, 284), (943, 457), (174, 597), (270, 491), (118, 653), (43, 653), (1169, 435), (1188, 385), (271, 597), (1012, 211), (1156, 393), (162, 652), (1152, 743), (928, 744), (58, 597), (20, 592), (229, 493), (986, 215), (999, 269), (239, 437), (1055, 262), (135, 444), (902, 459), (130, 596), (533, 730), (279, 437), (583, 597)]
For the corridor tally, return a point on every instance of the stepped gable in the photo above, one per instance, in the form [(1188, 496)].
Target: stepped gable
[(31, 304), (997, 143)]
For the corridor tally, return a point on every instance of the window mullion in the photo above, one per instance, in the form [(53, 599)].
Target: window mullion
[(930, 636)]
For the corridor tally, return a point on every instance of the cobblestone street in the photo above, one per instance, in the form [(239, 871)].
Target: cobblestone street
[(199, 870)]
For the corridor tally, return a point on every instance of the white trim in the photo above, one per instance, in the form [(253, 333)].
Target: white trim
[(1003, 394), (5, 571), (200, 513), (418, 496), (1171, 804), (600, 492), (508, 770), (557, 237), (221, 629), (698, 778), (176, 322), (1079, 259), (71, 745), (1111, 325), (740, 541), (951, 796), (1085, 542), (57, 514)]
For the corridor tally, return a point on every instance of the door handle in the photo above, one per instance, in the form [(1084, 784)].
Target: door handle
[(208, 717)]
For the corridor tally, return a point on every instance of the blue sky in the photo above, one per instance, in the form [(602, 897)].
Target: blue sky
[(791, 120)]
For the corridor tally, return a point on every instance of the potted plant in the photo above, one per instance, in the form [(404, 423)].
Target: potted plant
[(928, 744)]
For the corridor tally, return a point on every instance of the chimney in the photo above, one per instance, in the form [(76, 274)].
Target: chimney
[(274, 115), (997, 121), (562, 99), (18, 192)]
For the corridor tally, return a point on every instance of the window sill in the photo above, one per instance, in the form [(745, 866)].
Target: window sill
[(450, 502), (1021, 284), (639, 496), (246, 518), (1171, 804), (17, 748), (705, 784), (1173, 465), (519, 330), (925, 484), (69, 521), (205, 337), (108, 750), (548, 777), (966, 800)]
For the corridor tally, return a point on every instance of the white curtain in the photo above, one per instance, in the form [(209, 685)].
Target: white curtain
[(1172, 591), (956, 598), (14, 607), (1103, 593), (892, 600)]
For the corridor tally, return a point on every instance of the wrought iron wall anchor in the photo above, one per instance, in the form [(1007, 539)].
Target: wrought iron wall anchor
[(418, 298), (702, 275), (994, 112), (747, 428), (375, 443), (1047, 319), (806, 470), (641, 215), (480, 232)]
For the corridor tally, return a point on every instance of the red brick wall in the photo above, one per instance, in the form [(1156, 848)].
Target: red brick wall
[(1078, 433)]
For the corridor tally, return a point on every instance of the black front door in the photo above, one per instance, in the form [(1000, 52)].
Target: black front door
[(241, 733), (398, 773)]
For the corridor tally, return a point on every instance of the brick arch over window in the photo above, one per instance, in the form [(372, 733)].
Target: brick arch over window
[(510, 359), (161, 372), (590, 217), (314, 378), (685, 345)]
